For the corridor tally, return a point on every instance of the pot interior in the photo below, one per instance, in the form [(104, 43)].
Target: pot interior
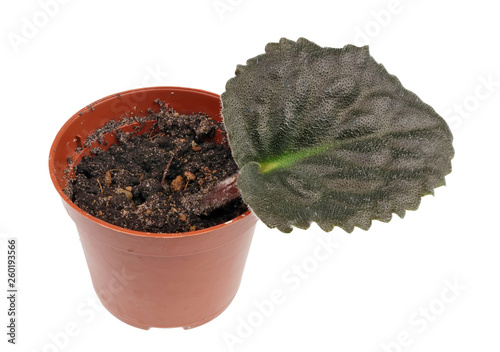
[(70, 145)]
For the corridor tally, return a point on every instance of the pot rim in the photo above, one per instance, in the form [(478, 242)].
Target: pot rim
[(111, 226)]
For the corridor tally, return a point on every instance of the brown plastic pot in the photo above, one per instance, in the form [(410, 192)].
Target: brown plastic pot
[(150, 279)]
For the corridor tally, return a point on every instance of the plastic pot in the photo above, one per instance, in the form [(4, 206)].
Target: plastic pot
[(150, 279)]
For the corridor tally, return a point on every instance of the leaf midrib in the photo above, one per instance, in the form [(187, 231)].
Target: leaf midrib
[(288, 159)]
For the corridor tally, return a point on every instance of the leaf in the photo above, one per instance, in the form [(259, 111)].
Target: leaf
[(327, 135)]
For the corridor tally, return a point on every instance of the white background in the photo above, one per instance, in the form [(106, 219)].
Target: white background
[(370, 291)]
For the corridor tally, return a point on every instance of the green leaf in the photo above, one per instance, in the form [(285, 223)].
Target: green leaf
[(327, 135)]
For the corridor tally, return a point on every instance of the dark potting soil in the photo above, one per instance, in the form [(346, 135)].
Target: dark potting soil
[(140, 182)]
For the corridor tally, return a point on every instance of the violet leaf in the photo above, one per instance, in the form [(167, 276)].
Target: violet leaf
[(327, 135)]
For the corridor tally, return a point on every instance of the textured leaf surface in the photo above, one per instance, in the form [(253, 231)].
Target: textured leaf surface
[(327, 135)]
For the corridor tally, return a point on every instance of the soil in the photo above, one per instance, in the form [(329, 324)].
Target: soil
[(141, 183)]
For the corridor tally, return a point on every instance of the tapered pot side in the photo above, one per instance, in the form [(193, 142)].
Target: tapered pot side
[(153, 279)]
